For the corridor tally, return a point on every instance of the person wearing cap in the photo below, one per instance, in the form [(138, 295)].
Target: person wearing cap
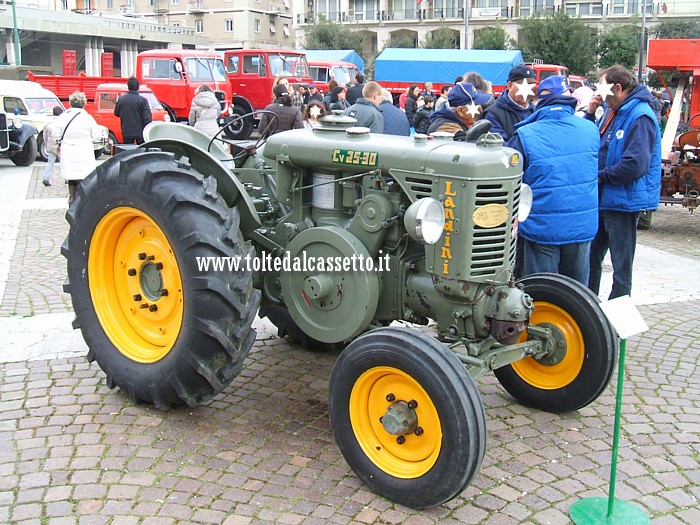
[(563, 176), (465, 105), (366, 110), (629, 172), (515, 103), (288, 116), (395, 122), (314, 94)]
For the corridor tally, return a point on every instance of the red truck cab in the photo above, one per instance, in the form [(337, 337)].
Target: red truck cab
[(323, 71), (102, 107), (252, 73), (175, 74)]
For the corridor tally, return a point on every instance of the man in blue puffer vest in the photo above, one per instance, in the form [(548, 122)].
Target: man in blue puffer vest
[(560, 159), (629, 173)]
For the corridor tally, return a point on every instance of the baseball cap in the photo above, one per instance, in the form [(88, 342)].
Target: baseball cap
[(464, 94), (280, 90), (312, 86), (556, 85), (520, 72)]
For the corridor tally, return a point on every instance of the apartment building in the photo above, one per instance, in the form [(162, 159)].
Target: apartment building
[(225, 23), (379, 20)]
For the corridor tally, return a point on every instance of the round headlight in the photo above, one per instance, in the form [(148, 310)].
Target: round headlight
[(166, 118), (105, 133), (525, 202), (425, 220), (17, 122)]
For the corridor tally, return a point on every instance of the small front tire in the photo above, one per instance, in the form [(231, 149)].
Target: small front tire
[(399, 369), (581, 363)]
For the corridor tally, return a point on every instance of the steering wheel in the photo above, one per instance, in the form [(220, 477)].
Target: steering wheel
[(271, 128)]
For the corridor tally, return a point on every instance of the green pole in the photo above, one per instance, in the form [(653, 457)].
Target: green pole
[(616, 431), (15, 35)]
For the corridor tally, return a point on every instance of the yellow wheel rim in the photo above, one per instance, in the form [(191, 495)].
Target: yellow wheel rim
[(368, 403), (135, 285), (552, 377)]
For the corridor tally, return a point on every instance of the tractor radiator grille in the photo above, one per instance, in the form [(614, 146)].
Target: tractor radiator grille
[(4, 135), (490, 249)]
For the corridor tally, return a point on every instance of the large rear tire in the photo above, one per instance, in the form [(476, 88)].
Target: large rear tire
[(581, 363), (27, 155), (391, 376), (162, 329)]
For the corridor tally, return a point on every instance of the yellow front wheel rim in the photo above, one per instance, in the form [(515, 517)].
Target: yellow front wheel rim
[(552, 377), (369, 401), (135, 284)]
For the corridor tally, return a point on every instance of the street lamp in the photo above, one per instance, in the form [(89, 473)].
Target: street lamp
[(641, 41), (15, 35), (466, 23)]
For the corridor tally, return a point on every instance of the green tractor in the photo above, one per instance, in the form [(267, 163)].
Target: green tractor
[(334, 234)]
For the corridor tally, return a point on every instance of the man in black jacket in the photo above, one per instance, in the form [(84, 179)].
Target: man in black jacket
[(355, 91), (134, 112), (515, 103)]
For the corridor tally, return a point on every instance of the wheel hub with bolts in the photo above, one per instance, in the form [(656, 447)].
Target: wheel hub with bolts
[(555, 345), (400, 418)]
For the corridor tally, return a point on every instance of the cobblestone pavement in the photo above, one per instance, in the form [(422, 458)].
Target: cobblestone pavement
[(73, 451)]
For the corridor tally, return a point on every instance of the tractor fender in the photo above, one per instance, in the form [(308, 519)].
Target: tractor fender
[(210, 163)]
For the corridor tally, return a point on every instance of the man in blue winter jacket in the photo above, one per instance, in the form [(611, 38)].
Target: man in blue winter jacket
[(629, 173), (560, 160)]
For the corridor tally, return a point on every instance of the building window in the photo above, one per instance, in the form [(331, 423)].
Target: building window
[(257, 25), (174, 2), (272, 28), (618, 7), (285, 29), (199, 26), (524, 7), (228, 25)]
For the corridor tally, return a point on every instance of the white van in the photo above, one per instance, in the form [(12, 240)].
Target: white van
[(33, 103)]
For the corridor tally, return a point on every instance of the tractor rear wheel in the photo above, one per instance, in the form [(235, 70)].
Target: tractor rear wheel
[(581, 362), (163, 328), (407, 416)]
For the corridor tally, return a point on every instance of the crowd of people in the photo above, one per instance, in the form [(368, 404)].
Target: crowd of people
[(588, 191)]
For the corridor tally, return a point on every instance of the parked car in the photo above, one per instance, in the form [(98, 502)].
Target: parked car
[(33, 103), (576, 81), (17, 139), (102, 108)]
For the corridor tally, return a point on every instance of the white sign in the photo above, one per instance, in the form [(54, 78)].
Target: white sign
[(624, 316), (486, 12)]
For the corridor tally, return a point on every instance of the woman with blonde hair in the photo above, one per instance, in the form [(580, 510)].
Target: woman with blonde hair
[(75, 131)]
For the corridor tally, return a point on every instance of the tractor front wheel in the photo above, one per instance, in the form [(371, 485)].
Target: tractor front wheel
[(162, 327), (407, 416), (580, 363)]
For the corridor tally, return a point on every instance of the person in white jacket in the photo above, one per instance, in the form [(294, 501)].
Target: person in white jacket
[(75, 131), (204, 112)]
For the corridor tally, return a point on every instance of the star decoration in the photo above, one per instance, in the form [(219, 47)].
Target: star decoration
[(315, 111), (604, 89), (473, 110), (525, 89)]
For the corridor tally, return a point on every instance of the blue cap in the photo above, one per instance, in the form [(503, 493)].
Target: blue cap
[(465, 94), (556, 85)]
